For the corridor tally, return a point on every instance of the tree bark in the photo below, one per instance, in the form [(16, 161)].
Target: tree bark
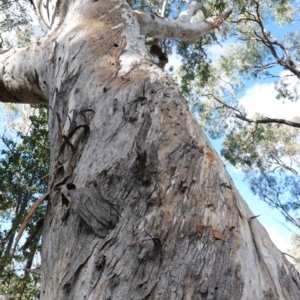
[(162, 28), (140, 205)]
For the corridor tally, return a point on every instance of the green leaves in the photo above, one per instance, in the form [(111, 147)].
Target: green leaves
[(24, 165)]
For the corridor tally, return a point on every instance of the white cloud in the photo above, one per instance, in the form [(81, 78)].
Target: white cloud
[(261, 98), (174, 60), (215, 51), (282, 242)]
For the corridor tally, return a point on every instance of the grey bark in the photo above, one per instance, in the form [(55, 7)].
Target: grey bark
[(158, 27), (140, 205)]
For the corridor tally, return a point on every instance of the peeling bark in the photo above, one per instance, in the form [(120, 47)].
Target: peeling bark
[(140, 206)]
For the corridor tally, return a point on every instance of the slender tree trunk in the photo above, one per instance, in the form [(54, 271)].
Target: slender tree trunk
[(140, 205)]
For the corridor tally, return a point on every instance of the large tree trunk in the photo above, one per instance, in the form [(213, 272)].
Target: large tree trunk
[(140, 205)]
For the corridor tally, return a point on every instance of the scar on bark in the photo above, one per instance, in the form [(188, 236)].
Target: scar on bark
[(162, 57), (155, 50), (27, 219), (118, 42)]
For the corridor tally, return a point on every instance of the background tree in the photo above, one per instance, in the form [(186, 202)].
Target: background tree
[(15, 18), (24, 163), (137, 197), (24, 166)]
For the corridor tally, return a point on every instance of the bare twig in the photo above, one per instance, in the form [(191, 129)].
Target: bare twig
[(238, 114)]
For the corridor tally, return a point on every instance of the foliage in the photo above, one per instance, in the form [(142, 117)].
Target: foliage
[(13, 15), (23, 170), (23, 166), (269, 156), (17, 27)]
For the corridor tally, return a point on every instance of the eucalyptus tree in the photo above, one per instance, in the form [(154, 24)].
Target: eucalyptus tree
[(138, 205)]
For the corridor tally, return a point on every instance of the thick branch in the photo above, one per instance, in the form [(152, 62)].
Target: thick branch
[(49, 11), (191, 10), (161, 28), (20, 79), (23, 72)]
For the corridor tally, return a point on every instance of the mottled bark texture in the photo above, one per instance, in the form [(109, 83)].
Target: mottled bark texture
[(140, 205)]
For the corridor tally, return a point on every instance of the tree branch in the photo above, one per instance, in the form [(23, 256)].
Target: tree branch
[(49, 11), (20, 79), (238, 114), (269, 41), (161, 28), (191, 10), (163, 10)]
